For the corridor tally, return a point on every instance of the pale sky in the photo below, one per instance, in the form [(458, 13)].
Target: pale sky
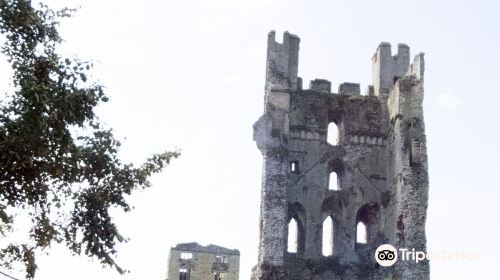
[(190, 75)]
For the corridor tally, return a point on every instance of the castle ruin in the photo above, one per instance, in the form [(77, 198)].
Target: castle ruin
[(379, 163), (192, 261)]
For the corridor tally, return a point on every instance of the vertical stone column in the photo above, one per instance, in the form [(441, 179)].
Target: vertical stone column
[(382, 69), (273, 216), (410, 167), (271, 134)]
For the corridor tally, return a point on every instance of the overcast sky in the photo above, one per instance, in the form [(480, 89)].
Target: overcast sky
[(190, 75)]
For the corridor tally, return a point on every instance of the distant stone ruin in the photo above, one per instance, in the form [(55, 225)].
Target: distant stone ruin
[(351, 165), (192, 261)]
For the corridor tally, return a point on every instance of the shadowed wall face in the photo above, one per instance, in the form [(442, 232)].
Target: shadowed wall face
[(373, 145)]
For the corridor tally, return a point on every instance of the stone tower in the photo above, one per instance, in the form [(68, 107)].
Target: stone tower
[(379, 159)]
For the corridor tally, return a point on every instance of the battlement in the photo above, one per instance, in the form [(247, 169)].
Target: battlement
[(349, 89), (388, 68), (325, 86), (282, 62), (321, 85), (417, 69)]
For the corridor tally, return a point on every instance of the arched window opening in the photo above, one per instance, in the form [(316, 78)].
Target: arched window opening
[(292, 236), (296, 228), (368, 216), (184, 274), (332, 134), (294, 167), (328, 237), (333, 182), (361, 233)]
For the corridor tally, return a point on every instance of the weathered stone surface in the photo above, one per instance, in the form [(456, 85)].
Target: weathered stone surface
[(380, 161), (203, 262)]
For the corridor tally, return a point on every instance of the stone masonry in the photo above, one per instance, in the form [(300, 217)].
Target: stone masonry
[(380, 160), (192, 261)]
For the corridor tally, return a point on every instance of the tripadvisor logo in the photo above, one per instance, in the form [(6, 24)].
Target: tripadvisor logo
[(386, 255)]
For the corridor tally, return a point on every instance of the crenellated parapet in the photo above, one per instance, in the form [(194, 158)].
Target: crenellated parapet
[(321, 85), (388, 68), (282, 62)]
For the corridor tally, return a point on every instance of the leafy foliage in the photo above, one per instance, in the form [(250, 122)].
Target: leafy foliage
[(57, 162)]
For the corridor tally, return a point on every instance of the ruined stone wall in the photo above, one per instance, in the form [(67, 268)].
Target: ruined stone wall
[(380, 160), (203, 262)]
